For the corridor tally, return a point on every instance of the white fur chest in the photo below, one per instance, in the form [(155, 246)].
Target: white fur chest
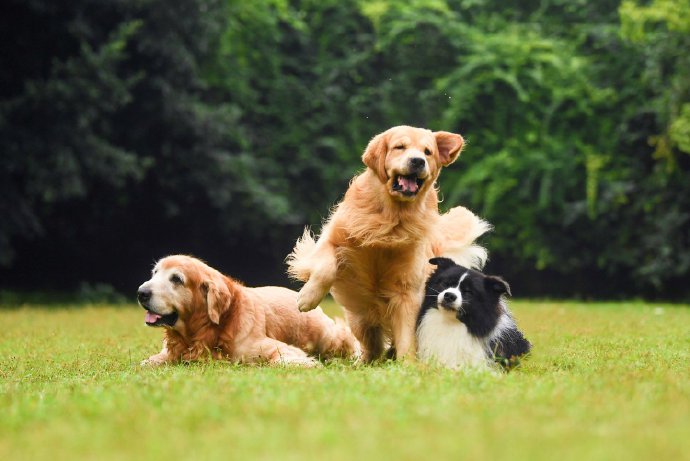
[(443, 340)]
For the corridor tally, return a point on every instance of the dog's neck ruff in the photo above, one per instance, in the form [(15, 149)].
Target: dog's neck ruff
[(445, 341), (376, 219)]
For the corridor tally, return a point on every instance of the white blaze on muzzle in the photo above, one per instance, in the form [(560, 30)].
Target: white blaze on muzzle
[(451, 298)]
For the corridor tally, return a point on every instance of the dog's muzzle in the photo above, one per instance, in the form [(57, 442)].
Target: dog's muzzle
[(407, 185), (154, 319), (449, 300), (157, 320), (411, 183)]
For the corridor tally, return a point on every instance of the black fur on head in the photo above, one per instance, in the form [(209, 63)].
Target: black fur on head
[(491, 282)]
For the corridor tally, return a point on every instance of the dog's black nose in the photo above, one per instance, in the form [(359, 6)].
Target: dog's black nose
[(449, 297), (143, 295), (417, 163)]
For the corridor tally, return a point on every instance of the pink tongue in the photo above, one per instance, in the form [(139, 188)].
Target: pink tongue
[(408, 184), (151, 317)]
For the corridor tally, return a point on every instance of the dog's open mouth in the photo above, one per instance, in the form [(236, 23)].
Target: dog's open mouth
[(157, 320), (407, 185)]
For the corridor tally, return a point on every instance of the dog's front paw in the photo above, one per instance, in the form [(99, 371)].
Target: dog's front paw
[(309, 297), (303, 362), (153, 361)]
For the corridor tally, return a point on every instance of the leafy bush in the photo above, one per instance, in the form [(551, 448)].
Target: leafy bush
[(134, 129)]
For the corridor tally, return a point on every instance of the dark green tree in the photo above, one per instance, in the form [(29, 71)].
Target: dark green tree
[(131, 129)]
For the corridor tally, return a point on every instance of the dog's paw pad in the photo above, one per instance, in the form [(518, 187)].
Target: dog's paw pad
[(308, 299), (304, 307)]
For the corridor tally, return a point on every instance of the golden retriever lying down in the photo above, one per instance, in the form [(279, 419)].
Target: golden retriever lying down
[(207, 314), (374, 249)]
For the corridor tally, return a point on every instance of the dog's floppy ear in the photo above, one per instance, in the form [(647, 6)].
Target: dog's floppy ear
[(218, 298), (375, 155), (497, 285), (449, 146), (442, 263)]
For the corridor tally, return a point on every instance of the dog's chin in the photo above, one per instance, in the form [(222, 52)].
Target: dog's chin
[(406, 187), (448, 307), (159, 320)]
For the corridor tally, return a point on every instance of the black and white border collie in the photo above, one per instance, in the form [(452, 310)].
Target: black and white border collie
[(464, 320)]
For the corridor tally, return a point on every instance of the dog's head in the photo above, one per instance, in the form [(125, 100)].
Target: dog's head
[(408, 160), (473, 297), (182, 287)]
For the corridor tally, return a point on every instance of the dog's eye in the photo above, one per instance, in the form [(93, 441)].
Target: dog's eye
[(176, 279), (400, 146), (427, 151)]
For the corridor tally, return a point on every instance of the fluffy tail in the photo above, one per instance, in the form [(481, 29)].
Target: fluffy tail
[(457, 231), (299, 267)]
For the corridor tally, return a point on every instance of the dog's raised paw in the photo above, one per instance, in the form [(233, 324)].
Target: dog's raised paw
[(309, 297)]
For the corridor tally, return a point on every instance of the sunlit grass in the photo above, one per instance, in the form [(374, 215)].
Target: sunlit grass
[(605, 381)]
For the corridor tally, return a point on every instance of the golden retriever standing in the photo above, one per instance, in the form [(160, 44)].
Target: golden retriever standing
[(374, 249), (207, 314)]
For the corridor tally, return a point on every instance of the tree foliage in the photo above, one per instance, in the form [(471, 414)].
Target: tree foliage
[(131, 129)]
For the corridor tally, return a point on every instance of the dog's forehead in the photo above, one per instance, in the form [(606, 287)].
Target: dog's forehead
[(409, 135), (172, 263), (161, 272), (164, 269), (189, 268), (162, 265), (459, 275), (473, 277), (452, 273)]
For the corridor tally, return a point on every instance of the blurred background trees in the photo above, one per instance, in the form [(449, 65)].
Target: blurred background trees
[(131, 129)]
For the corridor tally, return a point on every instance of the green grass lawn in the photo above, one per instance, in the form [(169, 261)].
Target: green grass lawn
[(605, 381)]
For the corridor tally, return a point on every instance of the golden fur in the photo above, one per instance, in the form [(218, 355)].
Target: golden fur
[(218, 317), (374, 249)]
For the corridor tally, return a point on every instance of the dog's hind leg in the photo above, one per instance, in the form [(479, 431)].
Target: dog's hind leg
[(370, 337), (277, 353), (510, 344), (339, 341), (319, 334)]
